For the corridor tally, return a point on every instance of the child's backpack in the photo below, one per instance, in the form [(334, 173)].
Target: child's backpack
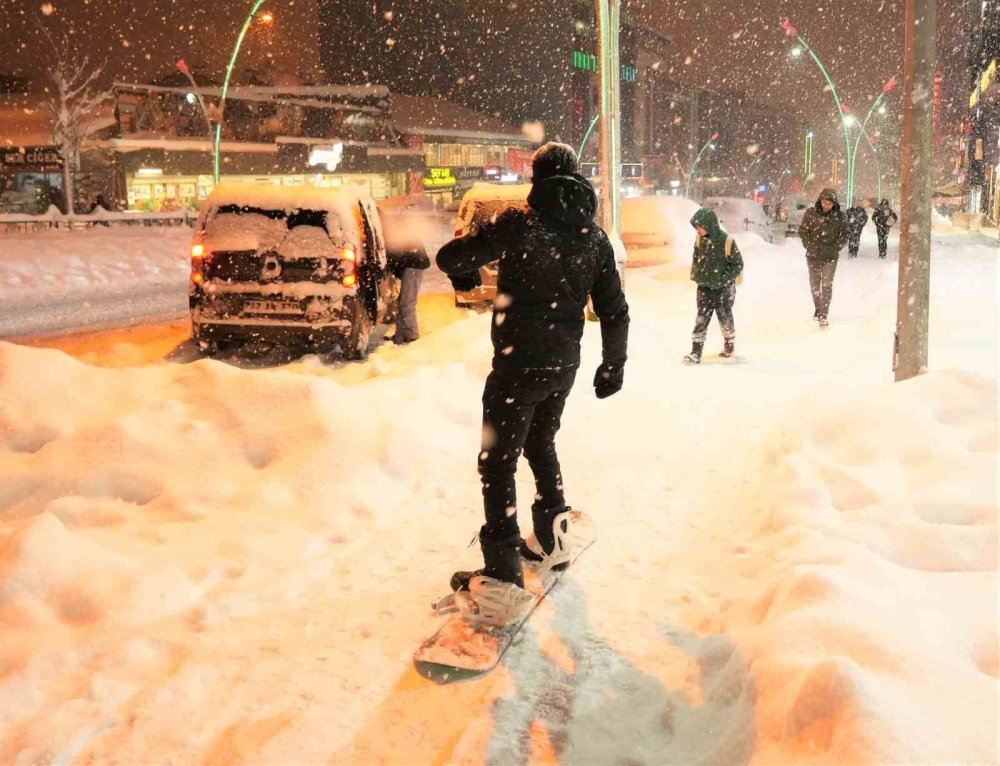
[(728, 250)]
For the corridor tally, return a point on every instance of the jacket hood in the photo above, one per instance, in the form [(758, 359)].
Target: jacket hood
[(568, 199), (709, 221), (830, 194)]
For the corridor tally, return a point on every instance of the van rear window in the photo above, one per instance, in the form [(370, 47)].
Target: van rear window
[(293, 220)]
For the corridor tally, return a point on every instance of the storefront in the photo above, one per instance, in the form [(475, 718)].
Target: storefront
[(180, 175), (30, 178)]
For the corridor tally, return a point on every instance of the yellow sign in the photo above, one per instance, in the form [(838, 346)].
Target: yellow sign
[(439, 178), (986, 79)]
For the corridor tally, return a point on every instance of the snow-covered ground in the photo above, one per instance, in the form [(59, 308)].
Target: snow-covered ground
[(796, 561), (61, 281)]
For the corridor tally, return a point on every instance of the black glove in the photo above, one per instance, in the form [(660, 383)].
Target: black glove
[(608, 379), (465, 282)]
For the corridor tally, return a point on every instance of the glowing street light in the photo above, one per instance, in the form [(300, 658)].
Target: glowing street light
[(267, 17), (796, 51), (791, 31)]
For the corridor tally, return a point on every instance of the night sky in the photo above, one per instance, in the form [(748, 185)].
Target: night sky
[(718, 45)]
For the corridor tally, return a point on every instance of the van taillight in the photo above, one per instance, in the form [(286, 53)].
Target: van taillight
[(197, 263), (348, 259), (349, 280)]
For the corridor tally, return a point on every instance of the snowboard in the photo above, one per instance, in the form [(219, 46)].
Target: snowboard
[(461, 651)]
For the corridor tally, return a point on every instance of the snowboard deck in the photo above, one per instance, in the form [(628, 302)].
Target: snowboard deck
[(461, 651)]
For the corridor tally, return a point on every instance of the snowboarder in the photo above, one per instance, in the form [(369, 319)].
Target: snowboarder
[(824, 233), (408, 265), (884, 219), (715, 267), (856, 217), (551, 257)]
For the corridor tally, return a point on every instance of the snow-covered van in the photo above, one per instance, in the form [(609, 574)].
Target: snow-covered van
[(482, 204), (300, 266)]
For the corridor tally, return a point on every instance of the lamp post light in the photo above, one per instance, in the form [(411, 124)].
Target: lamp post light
[(225, 83), (791, 31), (807, 171), (710, 144)]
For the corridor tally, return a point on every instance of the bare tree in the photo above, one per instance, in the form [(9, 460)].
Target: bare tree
[(75, 98)]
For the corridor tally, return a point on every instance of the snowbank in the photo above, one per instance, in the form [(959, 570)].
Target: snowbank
[(796, 559)]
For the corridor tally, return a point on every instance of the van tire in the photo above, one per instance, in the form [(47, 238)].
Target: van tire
[(361, 331)]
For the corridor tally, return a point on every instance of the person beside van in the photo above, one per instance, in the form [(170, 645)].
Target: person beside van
[(408, 265), (824, 233), (715, 267), (550, 259)]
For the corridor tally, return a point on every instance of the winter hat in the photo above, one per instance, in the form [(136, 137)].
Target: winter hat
[(553, 159), (830, 194)]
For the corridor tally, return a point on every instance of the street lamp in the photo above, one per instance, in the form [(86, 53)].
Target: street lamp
[(225, 84), (791, 31), (710, 144)]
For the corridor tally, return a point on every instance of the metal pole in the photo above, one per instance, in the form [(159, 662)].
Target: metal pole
[(225, 86), (609, 158), (913, 302)]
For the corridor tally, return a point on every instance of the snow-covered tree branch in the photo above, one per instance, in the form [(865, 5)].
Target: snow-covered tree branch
[(74, 100)]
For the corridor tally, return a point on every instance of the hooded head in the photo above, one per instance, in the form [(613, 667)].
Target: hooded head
[(558, 190), (709, 221), (830, 195)]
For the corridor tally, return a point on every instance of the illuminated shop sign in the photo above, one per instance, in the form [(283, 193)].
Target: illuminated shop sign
[(439, 178), (28, 158), (588, 63)]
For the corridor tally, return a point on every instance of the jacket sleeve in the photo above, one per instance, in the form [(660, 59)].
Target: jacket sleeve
[(410, 258), (464, 256), (807, 229), (735, 262), (610, 306)]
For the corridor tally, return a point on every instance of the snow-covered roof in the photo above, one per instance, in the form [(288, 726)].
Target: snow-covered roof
[(243, 91), (430, 116), (287, 198), (29, 123)]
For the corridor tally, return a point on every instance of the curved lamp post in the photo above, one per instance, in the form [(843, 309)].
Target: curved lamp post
[(225, 83), (697, 159), (876, 106), (791, 31)]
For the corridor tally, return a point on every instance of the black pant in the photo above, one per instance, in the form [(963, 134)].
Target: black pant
[(883, 241), (854, 244), (521, 411), (718, 302), (821, 275)]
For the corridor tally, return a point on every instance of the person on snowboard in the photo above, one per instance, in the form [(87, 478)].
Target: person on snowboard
[(715, 267), (824, 233), (856, 217), (551, 257), (884, 219)]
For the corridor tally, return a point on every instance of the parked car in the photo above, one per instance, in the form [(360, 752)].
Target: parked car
[(303, 267), (657, 230), (737, 215), (796, 212), (480, 205)]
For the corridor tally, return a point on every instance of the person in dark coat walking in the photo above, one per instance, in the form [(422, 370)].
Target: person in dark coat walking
[(824, 233), (884, 219), (856, 217), (551, 258), (715, 267)]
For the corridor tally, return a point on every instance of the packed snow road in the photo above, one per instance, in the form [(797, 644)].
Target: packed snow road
[(796, 558)]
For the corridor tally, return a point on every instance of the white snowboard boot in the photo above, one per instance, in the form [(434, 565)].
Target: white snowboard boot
[(493, 603), (558, 556)]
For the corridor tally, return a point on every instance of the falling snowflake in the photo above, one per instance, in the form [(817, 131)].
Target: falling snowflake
[(47, 9)]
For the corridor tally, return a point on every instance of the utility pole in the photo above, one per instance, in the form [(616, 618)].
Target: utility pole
[(913, 301), (606, 14)]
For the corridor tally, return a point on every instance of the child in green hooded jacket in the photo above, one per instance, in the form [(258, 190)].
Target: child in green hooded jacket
[(716, 267)]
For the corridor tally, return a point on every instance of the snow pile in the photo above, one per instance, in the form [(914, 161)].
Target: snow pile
[(796, 558), (657, 230)]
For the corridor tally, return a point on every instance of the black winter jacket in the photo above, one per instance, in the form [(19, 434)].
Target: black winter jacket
[(550, 258), (856, 220), (824, 234)]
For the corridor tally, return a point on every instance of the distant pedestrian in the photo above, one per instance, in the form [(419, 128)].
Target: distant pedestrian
[(715, 267), (884, 219), (824, 233), (857, 217)]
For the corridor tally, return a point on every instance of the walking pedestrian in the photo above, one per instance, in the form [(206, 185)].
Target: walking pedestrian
[(824, 233), (884, 218), (856, 217)]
